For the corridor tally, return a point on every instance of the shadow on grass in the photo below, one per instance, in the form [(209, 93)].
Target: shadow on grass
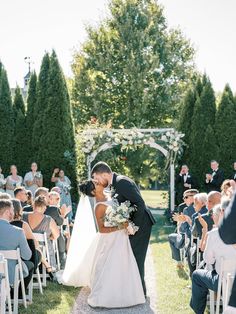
[(182, 274), (56, 298)]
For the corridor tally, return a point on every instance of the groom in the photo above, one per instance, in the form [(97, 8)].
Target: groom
[(126, 189)]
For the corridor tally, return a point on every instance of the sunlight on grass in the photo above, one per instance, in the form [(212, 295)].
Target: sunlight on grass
[(173, 294), (156, 199)]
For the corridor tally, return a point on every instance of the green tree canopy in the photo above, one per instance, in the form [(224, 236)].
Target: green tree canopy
[(6, 121), (131, 70), (57, 144)]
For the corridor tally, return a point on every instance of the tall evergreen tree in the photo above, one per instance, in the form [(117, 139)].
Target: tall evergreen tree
[(40, 107), (6, 122), (210, 147), (20, 133), (57, 144), (30, 116), (203, 115), (226, 129)]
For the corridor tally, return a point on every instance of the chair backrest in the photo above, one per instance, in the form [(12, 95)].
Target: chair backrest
[(11, 254), (43, 241)]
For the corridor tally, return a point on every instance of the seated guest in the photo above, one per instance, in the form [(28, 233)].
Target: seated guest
[(213, 198), (226, 188), (227, 233), (217, 209), (200, 201), (54, 200), (203, 279), (33, 179), (5, 196), (12, 238), (215, 178), (52, 211), (184, 181), (29, 197), (233, 176), (21, 195), (40, 223), (13, 181), (17, 221), (2, 181), (177, 240)]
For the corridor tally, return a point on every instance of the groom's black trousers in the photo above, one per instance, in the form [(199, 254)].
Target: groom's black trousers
[(139, 243)]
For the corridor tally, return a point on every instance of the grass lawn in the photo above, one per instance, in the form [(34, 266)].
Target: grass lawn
[(57, 299), (173, 295)]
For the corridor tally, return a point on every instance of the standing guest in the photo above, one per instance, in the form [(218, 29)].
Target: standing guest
[(12, 238), (215, 178), (227, 233), (40, 223), (2, 181), (13, 181), (184, 181), (33, 179), (64, 183), (233, 176), (21, 195)]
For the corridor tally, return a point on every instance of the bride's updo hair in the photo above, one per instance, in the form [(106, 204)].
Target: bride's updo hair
[(87, 187)]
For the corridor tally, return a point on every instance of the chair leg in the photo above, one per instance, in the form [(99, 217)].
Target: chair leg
[(39, 281), (212, 302), (44, 274), (30, 289), (16, 287)]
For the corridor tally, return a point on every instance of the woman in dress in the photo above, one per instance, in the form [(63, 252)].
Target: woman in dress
[(108, 267), (2, 181), (33, 179), (64, 184), (40, 223), (13, 181)]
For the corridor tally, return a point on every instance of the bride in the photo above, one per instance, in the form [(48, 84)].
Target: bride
[(108, 266)]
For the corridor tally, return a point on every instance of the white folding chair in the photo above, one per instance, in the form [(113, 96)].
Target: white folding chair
[(227, 266), (56, 253), (43, 242), (19, 277), (229, 285), (5, 296)]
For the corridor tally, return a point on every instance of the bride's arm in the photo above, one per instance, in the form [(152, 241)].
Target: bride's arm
[(100, 213)]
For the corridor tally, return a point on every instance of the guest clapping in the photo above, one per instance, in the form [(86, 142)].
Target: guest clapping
[(33, 179), (13, 181), (214, 178)]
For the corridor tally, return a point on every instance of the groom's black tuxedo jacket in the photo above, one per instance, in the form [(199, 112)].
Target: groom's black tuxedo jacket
[(126, 189)]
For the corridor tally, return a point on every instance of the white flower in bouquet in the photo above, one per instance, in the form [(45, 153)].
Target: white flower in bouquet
[(38, 175), (117, 214)]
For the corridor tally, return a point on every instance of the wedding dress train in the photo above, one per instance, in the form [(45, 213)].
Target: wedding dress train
[(109, 268)]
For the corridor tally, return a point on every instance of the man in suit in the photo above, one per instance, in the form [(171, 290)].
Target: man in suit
[(233, 176), (20, 194), (215, 178), (126, 189), (184, 181), (227, 233), (213, 198), (12, 238), (177, 239)]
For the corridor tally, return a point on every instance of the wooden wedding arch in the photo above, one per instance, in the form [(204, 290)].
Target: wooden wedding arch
[(167, 140)]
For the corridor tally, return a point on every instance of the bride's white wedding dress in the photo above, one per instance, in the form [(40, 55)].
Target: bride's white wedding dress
[(109, 268)]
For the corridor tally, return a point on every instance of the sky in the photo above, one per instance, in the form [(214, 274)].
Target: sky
[(28, 28)]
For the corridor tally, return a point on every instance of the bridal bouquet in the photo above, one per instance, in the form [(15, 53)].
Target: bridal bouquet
[(119, 213)]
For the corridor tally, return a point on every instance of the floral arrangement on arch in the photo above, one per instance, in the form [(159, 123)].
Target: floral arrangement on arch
[(93, 140)]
